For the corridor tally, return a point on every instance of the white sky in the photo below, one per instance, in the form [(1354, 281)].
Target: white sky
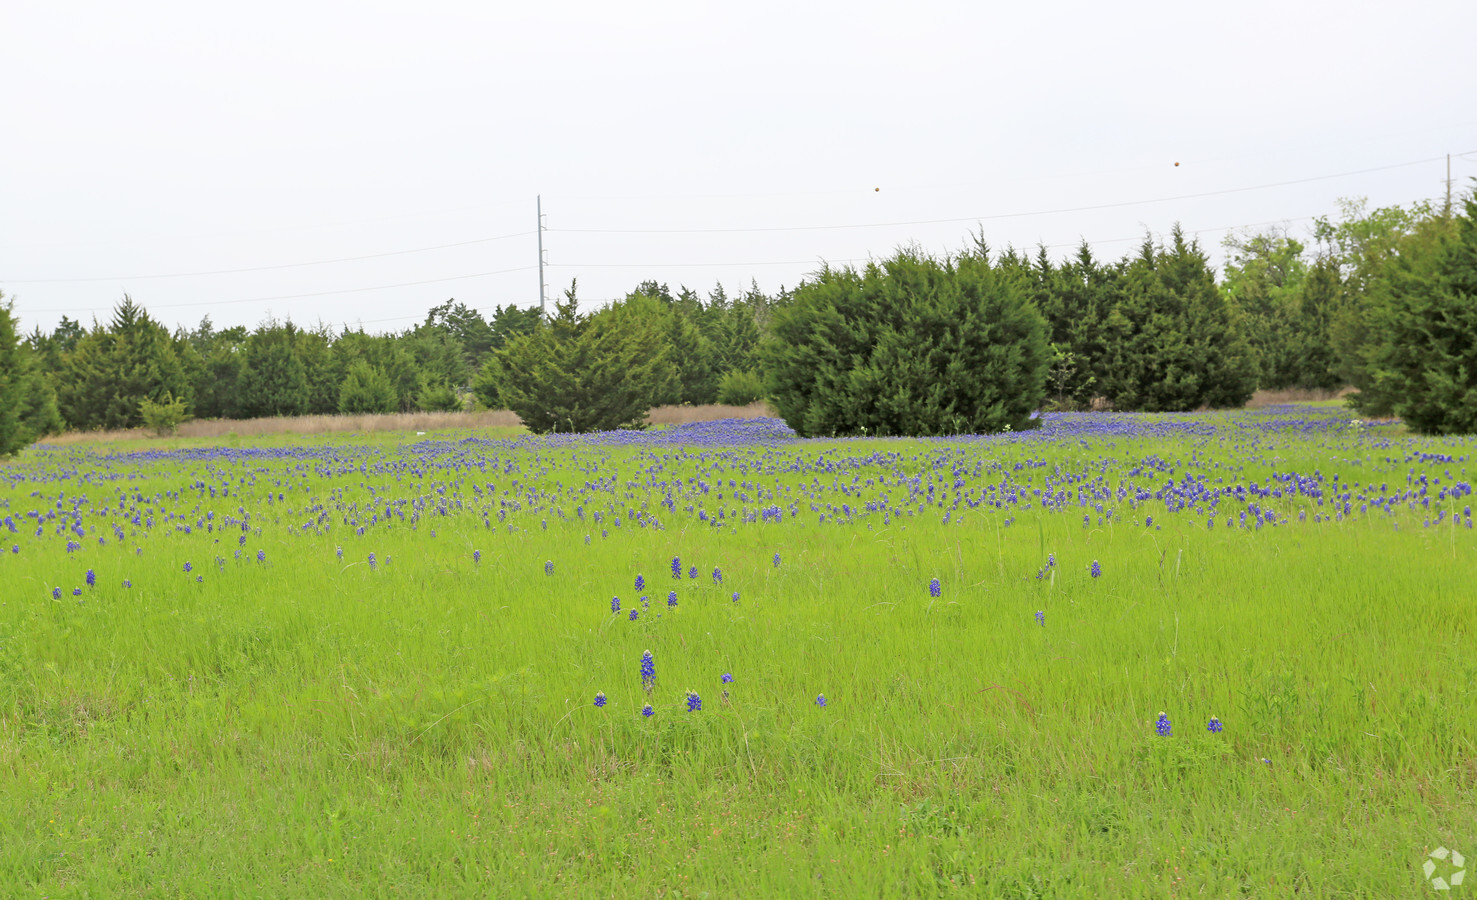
[(163, 138)]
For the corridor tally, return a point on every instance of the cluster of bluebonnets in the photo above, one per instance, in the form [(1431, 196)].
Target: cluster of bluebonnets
[(99, 510)]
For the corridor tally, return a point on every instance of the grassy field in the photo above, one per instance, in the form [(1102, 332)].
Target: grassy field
[(369, 666)]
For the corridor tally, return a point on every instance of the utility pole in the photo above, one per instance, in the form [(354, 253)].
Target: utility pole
[(543, 303), (1448, 185)]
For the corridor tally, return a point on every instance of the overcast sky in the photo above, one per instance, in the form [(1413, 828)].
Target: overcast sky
[(691, 143)]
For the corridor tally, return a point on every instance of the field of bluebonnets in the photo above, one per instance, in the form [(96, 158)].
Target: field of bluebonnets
[(1122, 655)]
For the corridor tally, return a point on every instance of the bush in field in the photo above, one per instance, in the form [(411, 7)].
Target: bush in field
[(438, 398), (740, 388), (910, 346), (163, 417), (366, 390), (586, 373)]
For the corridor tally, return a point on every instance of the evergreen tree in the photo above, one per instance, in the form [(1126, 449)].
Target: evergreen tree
[(366, 390), (1264, 277), (273, 380), (913, 346), (1425, 358), (113, 369), (1172, 339)]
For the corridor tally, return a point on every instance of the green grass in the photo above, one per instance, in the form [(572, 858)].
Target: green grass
[(309, 727)]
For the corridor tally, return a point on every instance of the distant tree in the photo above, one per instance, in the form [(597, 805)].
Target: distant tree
[(1172, 340), (27, 403), (112, 369), (910, 346), (438, 398), (315, 348), (509, 322), (473, 336), (1264, 276), (366, 390), (588, 373), (273, 380), (1423, 359)]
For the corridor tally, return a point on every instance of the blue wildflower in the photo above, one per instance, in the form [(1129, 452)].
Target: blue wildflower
[(615, 604), (371, 561), (676, 567), (56, 593), (76, 592), (1161, 725), (1214, 726), (633, 614), (692, 572), (476, 556), (727, 678), (672, 598), (694, 702), (127, 583), (717, 576), (1097, 570), (647, 711), (776, 560), (820, 700), (599, 698), (1041, 617), (735, 596), (91, 578), (648, 671), (549, 567), (188, 567), (640, 581), (934, 589), (340, 553)]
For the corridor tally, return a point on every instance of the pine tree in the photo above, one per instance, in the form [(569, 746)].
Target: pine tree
[(366, 390), (1426, 359), (273, 380)]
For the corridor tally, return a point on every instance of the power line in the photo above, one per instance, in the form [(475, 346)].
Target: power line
[(801, 262), (377, 287), (1017, 215), (321, 262)]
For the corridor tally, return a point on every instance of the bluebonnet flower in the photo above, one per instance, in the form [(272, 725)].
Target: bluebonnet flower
[(820, 700), (1148, 520), (694, 702), (371, 561), (91, 578), (56, 593), (1097, 570), (199, 579), (188, 567), (549, 567), (127, 583), (672, 598), (1214, 726), (735, 596), (647, 711), (727, 678), (692, 572), (76, 592), (648, 671), (640, 581), (615, 604), (599, 698), (776, 560), (1050, 560), (1161, 725), (476, 556), (633, 615), (934, 589), (717, 576), (676, 567), (1041, 617), (645, 602), (340, 552)]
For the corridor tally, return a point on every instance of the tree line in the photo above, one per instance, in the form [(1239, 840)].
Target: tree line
[(1380, 299)]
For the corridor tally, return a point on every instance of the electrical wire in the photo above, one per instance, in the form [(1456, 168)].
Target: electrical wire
[(996, 216), (377, 287), (321, 262)]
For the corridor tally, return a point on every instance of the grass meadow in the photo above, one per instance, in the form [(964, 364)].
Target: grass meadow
[(367, 666)]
